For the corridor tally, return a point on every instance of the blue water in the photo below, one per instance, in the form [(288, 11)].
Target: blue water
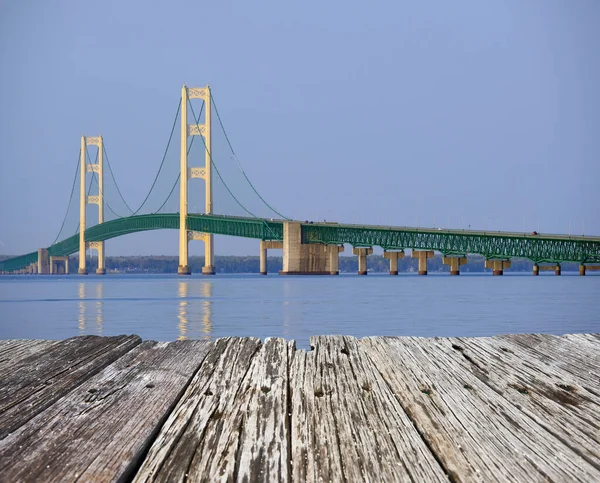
[(168, 307)]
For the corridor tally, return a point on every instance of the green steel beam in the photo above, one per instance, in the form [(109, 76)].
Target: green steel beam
[(492, 245)]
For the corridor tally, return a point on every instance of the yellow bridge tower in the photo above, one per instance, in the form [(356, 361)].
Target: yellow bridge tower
[(203, 172), (84, 200)]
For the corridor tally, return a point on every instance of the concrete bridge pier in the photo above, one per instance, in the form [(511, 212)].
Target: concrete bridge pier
[(584, 268), (497, 266), (43, 262), (422, 256), (264, 245), (537, 268), (334, 267), (455, 263), (55, 265), (362, 258), (393, 258), (306, 258)]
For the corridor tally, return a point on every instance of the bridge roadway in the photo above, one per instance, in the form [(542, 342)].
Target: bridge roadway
[(538, 248)]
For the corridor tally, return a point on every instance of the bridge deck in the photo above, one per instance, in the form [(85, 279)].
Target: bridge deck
[(514, 408)]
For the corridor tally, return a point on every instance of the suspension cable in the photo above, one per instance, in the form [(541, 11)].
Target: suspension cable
[(217, 169), (223, 181), (163, 159), (240, 164), (169, 195), (187, 152), (113, 178), (70, 198)]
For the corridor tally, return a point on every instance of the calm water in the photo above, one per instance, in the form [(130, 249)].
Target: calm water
[(168, 307)]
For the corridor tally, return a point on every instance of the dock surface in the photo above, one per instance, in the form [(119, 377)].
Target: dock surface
[(505, 408)]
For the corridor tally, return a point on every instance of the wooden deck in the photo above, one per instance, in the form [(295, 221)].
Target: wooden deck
[(508, 408)]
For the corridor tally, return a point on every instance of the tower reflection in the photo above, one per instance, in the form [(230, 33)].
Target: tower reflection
[(207, 309), (186, 307), (99, 304), (81, 318), (83, 308), (182, 292)]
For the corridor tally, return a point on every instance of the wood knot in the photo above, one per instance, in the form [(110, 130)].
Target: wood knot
[(521, 389), (319, 392), (265, 389), (150, 385), (458, 347)]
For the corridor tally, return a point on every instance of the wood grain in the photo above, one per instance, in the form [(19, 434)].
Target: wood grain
[(36, 382), (475, 432), (101, 430), (346, 422)]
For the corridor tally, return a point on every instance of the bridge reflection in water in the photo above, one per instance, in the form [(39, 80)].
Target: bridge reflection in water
[(185, 308), (99, 295)]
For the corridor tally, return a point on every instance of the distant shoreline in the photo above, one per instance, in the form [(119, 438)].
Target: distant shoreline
[(250, 264)]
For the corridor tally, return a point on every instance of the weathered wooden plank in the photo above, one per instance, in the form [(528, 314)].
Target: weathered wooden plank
[(201, 436), (263, 449), (548, 396), (475, 433), (346, 422), (592, 339), (36, 382), (100, 431), (561, 353), (12, 352)]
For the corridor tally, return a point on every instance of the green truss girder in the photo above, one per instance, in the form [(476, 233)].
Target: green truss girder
[(491, 245), (537, 248)]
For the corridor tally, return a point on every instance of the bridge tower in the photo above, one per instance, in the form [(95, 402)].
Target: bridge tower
[(187, 173), (89, 167)]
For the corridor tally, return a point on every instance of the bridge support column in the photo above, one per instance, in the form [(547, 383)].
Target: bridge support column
[(422, 255), (362, 258), (334, 259), (556, 268), (84, 199), (455, 263), (304, 259), (264, 245), (55, 265), (497, 266), (187, 173), (43, 262), (393, 258)]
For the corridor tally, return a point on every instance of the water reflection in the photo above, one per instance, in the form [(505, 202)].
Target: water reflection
[(83, 308), (185, 308), (81, 319), (182, 292), (207, 309), (99, 303)]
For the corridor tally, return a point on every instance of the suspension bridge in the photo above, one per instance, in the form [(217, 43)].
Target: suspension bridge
[(232, 206)]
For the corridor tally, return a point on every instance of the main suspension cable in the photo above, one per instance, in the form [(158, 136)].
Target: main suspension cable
[(70, 198), (113, 178), (240, 164), (187, 152), (163, 160), (217, 169)]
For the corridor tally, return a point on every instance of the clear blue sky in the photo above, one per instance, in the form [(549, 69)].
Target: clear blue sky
[(397, 112)]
